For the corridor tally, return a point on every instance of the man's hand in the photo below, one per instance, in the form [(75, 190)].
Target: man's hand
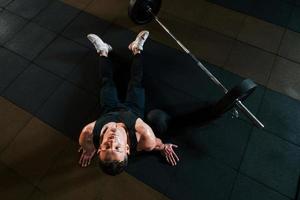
[(169, 154), (86, 157)]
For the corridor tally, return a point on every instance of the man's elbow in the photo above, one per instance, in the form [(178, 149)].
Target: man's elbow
[(85, 134)]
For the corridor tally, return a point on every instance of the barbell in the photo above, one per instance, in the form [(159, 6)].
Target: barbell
[(143, 11)]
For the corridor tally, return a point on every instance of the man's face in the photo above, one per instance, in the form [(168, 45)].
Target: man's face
[(114, 144)]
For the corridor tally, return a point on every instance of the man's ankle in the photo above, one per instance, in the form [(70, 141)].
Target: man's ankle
[(103, 54), (136, 51)]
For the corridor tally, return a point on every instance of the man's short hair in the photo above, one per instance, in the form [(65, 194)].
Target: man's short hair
[(113, 167)]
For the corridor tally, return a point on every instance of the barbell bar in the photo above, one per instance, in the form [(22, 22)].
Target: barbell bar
[(144, 11)]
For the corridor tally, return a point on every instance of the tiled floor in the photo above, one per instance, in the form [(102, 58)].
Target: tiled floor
[(49, 90), (38, 162)]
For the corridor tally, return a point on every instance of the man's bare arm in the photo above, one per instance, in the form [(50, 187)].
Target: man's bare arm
[(86, 145), (150, 142), (159, 145)]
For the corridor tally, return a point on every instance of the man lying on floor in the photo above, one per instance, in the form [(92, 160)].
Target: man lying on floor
[(120, 130)]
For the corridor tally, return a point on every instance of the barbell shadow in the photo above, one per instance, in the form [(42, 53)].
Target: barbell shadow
[(143, 11)]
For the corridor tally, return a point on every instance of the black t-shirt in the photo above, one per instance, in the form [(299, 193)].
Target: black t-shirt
[(124, 116)]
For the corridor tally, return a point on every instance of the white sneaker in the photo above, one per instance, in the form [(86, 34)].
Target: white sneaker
[(139, 41), (99, 45)]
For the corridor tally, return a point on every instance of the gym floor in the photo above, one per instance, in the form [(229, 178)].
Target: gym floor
[(49, 90)]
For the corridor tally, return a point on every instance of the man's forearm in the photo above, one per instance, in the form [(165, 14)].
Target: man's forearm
[(86, 142), (159, 145)]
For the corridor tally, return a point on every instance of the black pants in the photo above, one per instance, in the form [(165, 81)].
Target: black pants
[(135, 97)]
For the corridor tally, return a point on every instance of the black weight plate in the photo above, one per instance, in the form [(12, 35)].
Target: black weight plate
[(239, 92), (158, 120), (138, 10)]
